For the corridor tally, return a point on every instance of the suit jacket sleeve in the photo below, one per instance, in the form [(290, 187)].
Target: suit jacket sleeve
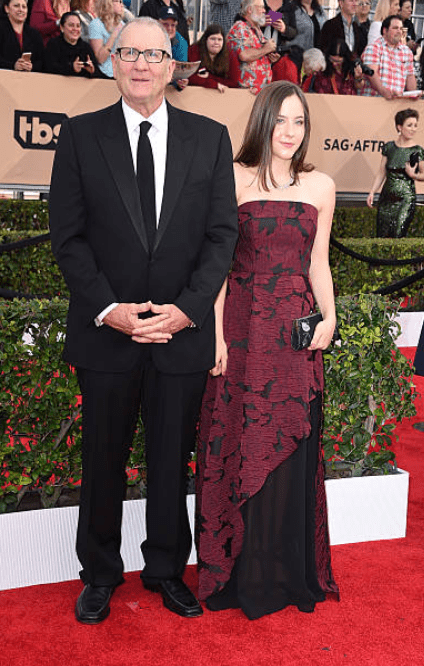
[(221, 232), (68, 218)]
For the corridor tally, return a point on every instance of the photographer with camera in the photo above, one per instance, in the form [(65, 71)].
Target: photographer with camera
[(342, 75), (402, 163), (68, 54)]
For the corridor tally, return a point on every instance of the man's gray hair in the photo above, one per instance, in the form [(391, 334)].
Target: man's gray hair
[(245, 4), (149, 23)]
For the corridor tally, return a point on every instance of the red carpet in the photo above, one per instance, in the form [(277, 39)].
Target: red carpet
[(379, 620)]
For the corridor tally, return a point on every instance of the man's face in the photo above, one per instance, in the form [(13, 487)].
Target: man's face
[(143, 84), (170, 26), (363, 9), (348, 7), (393, 34), (257, 14)]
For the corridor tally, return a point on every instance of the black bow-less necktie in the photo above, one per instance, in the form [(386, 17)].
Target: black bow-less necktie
[(146, 182)]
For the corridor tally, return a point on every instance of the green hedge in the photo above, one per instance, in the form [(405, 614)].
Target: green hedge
[(30, 270), (361, 222), (25, 215), (352, 276)]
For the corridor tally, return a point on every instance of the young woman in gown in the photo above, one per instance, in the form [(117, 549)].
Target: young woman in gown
[(261, 513)]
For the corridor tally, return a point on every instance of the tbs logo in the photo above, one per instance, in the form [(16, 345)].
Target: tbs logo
[(38, 130)]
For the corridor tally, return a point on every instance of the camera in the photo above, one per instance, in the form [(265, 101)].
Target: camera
[(365, 69)]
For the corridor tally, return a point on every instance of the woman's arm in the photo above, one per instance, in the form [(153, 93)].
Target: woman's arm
[(319, 272), (221, 353), (378, 181), (102, 50)]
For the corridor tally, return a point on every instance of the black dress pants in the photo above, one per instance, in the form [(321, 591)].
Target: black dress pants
[(169, 406)]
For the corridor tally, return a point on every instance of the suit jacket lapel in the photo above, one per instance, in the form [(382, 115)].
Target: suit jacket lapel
[(114, 142), (178, 158)]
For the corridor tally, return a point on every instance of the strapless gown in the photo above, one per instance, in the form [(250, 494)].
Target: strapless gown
[(261, 518)]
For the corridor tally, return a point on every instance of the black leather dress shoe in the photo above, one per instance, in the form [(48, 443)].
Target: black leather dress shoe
[(176, 597), (93, 604)]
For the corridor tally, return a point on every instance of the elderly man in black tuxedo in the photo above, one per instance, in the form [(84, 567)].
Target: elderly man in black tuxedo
[(143, 226)]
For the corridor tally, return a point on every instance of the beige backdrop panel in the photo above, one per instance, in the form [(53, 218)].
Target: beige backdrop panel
[(346, 136)]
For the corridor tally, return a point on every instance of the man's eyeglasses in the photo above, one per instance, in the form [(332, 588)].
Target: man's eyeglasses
[(130, 54)]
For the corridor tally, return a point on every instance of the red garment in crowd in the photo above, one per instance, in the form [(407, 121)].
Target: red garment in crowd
[(334, 84), (44, 19), (285, 70), (212, 80)]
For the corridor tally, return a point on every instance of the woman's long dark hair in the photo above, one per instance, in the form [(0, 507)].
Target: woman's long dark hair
[(256, 148), (338, 48), (315, 6), (220, 65)]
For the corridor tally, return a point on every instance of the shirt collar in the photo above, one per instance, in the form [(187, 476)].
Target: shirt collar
[(158, 119)]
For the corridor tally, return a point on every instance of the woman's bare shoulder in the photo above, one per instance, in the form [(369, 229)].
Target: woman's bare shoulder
[(319, 182)]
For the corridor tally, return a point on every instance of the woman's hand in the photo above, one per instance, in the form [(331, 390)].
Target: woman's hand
[(22, 65), (279, 25), (323, 335), (77, 65), (89, 66), (221, 357), (410, 171), (370, 199), (221, 87)]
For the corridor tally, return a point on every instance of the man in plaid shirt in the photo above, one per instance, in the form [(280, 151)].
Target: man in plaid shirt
[(391, 61)]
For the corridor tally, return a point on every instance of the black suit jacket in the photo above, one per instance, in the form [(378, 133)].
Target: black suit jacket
[(100, 243), (333, 30)]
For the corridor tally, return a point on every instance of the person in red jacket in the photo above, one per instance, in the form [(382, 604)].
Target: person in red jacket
[(46, 15), (219, 66)]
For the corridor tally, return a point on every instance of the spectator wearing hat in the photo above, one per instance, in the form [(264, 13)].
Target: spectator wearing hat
[(153, 8), (168, 17)]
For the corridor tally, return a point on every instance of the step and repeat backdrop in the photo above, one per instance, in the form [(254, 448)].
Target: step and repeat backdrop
[(347, 132)]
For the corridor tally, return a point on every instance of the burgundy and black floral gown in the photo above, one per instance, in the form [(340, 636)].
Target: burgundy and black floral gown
[(261, 521)]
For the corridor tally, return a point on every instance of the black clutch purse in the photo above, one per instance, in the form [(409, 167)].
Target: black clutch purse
[(303, 330)]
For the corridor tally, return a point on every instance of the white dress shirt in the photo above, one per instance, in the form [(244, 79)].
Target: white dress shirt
[(158, 136)]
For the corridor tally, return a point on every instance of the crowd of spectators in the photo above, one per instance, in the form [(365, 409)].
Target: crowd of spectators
[(248, 44)]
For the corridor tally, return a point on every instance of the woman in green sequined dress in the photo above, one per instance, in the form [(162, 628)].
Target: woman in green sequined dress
[(396, 205)]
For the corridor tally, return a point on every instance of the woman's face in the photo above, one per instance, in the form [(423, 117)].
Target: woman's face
[(337, 62), (71, 30), (363, 9), (394, 7), (17, 11), (408, 129), (118, 7), (214, 44), (289, 130), (406, 11)]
